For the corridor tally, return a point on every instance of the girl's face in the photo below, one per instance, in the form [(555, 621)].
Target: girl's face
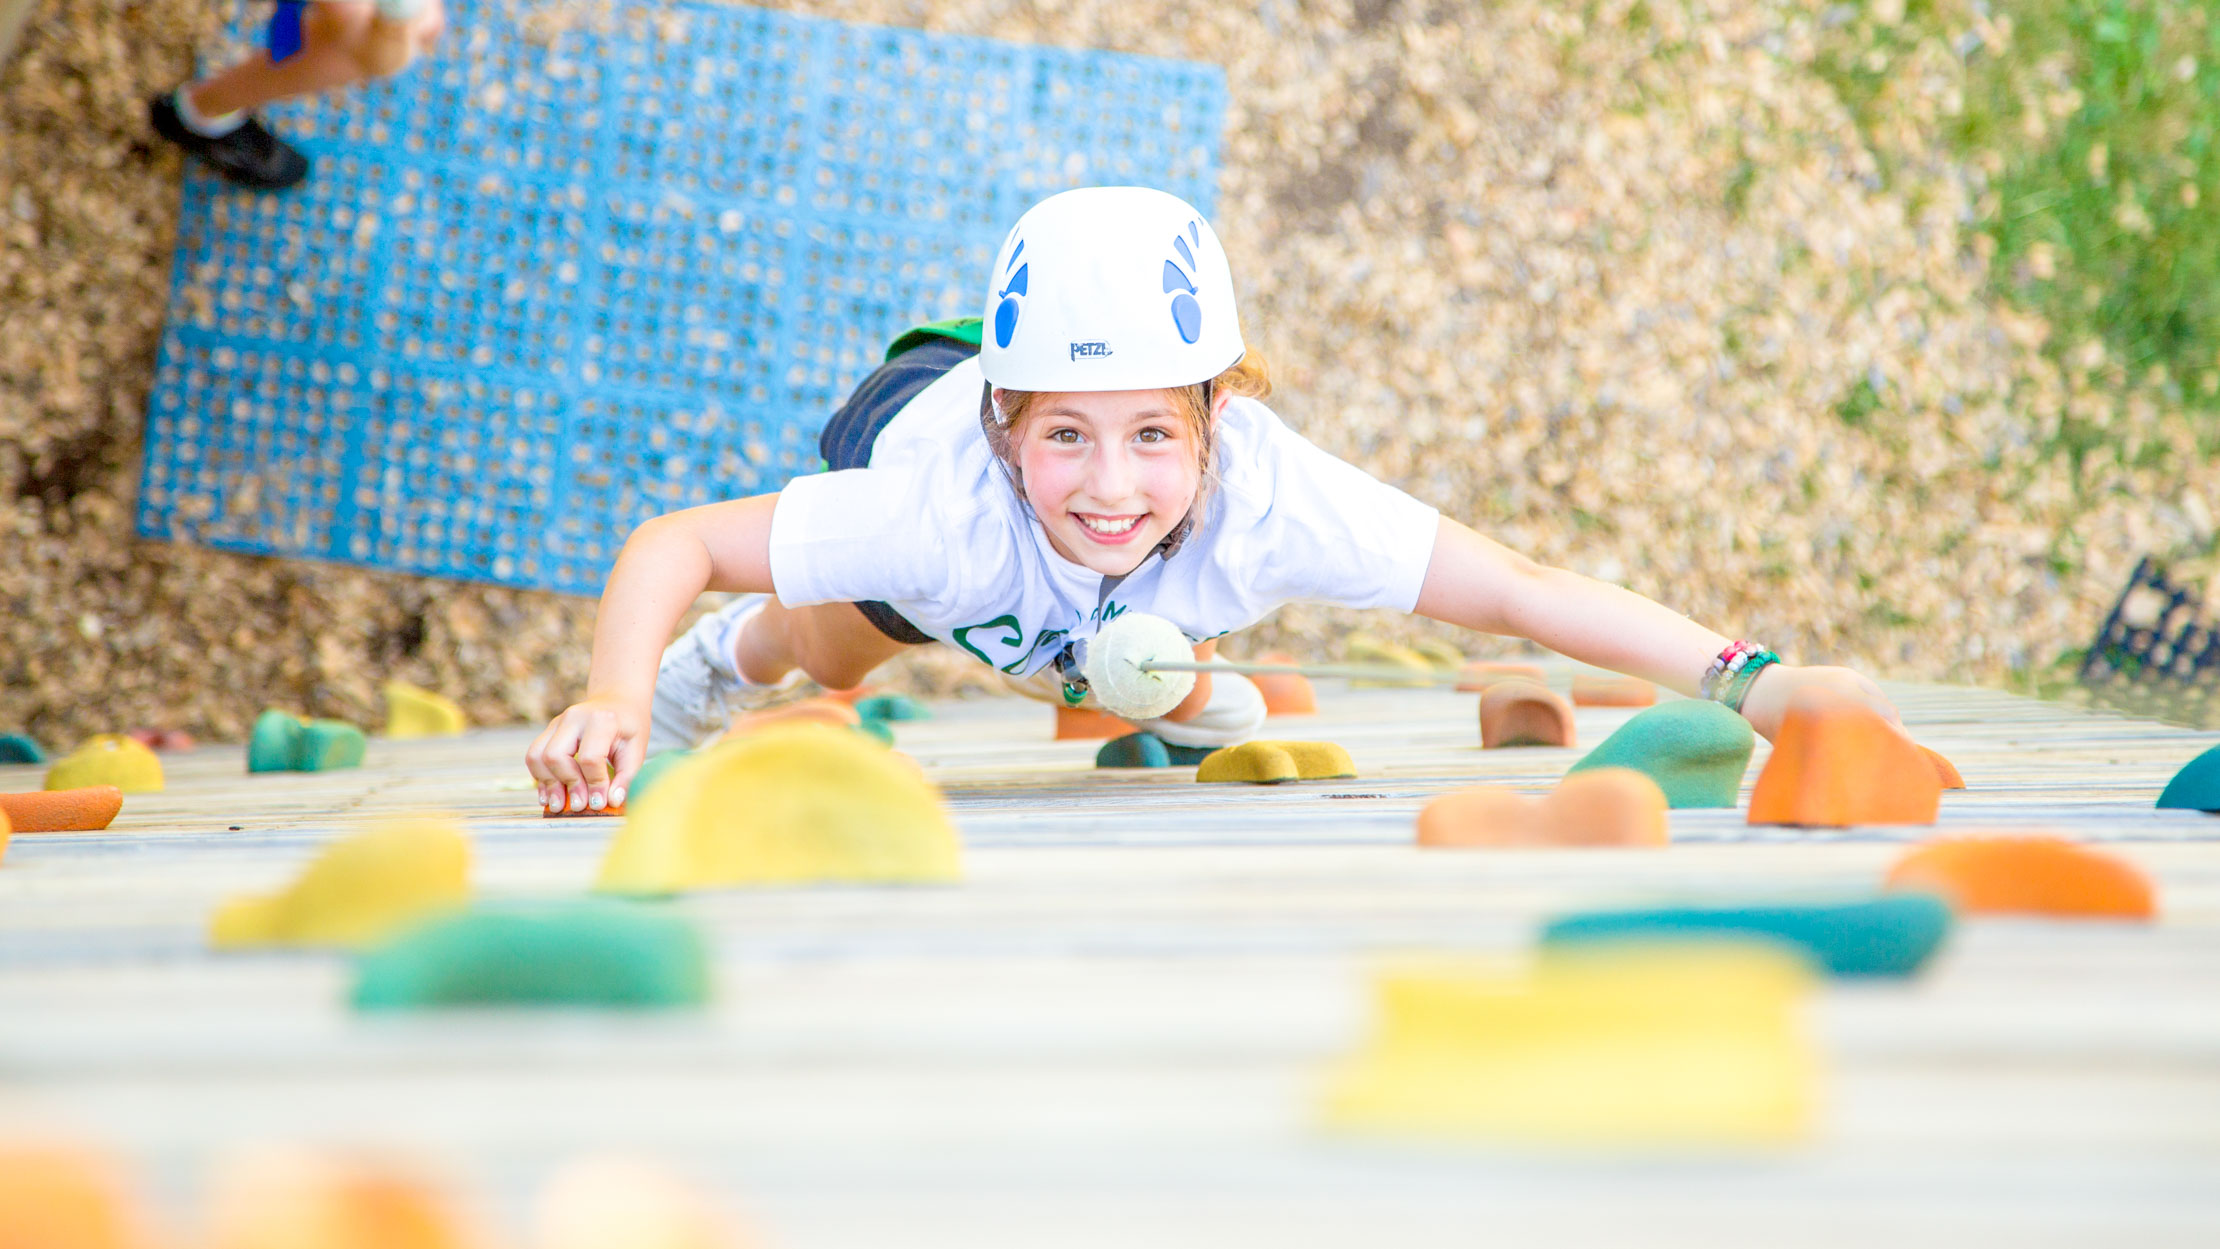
[(1109, 473)]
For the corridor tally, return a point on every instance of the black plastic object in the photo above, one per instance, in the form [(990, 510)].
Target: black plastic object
[(2158, 653)]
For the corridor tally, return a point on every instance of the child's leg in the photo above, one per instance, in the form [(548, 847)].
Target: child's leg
[(830, 642), (737, 656), (342, 45), (1233, 715)]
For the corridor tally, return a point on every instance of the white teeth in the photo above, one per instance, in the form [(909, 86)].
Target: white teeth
[(1109, 528)]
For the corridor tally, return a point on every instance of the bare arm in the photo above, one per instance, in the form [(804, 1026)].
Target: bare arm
[(589, 753), (1481, 584)]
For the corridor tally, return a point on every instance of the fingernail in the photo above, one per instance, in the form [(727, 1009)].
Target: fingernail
[(616, 797), (594, 802)]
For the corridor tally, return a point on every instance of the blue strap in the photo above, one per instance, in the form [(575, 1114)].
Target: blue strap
[(285, 29)]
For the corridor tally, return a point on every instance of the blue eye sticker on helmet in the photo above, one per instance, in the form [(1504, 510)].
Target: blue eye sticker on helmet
[(1012, 296), (1186, 310)]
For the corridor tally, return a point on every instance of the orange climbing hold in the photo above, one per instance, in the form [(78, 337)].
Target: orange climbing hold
[(297, 1199), (1611, 690), (1945, 770), (53, 1197), (84, 810), (1087, 724), (1285, 693), (829, 711), (1599, 807), (2027, 875), (163, 741), (1836, 762), (548, 813), (1524, 713), (1477, 676)]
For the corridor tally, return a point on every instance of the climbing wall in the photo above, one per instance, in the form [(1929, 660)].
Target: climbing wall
[(577, 270)]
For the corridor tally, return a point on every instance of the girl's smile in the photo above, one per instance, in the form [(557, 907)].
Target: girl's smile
[(1111, 530)]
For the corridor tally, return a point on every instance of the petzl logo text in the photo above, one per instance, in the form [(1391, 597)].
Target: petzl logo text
[(1079, 350)]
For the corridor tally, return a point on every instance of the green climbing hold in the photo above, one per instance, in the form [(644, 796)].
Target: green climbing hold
[(19, 748), (896, 707), (573, 953), (877, 730), (1890, 935), (287, 743), (1147, 750), (1696, 751), (657, 764), (2197, 786)]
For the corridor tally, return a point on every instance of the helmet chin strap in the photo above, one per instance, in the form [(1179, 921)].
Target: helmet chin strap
[(1171, 543)]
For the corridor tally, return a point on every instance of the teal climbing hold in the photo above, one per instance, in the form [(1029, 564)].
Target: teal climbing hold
[(1695, 750), (1134, 750), (2197, 786), (896, 707), (1147, 750), (19, 748), (877, 730), (274, 742), (657, 764), (1890, 935), (287, 743), (572, 953)]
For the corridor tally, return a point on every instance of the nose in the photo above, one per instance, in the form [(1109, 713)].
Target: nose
[(1111, 472)]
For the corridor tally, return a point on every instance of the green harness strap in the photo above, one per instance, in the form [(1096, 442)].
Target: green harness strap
[(963, 330)]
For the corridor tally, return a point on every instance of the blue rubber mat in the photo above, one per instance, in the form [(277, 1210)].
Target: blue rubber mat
[(544, 286)]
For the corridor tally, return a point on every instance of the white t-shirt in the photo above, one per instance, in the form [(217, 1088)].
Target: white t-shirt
[(934, 529)]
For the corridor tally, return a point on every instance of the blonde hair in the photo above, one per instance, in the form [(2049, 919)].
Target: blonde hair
[(1246, 377)]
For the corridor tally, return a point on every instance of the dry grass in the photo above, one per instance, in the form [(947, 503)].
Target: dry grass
[(1624, 287)]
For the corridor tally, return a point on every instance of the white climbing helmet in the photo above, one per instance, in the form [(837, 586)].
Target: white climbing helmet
[(1109, 288)]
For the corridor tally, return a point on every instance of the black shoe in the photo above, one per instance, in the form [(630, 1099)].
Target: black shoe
[(249, 156)]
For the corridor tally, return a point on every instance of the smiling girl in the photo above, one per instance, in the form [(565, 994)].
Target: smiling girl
[(1097, 444)]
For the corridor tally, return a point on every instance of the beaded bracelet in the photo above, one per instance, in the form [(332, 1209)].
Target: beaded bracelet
[(1730, 676)]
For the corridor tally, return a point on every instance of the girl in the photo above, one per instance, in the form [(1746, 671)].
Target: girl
[(1103, 450)]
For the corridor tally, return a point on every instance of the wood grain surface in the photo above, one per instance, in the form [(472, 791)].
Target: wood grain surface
[(1114, 1031)]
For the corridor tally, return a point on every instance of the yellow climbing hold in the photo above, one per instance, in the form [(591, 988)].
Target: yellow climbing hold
[(1439, 653), (358, 891), (1269, 763), (414, 712), (108, 759), (1610, 1045), (790, 804), (1363, 648)]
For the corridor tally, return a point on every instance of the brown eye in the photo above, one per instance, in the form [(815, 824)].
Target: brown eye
[(1154, 434)]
